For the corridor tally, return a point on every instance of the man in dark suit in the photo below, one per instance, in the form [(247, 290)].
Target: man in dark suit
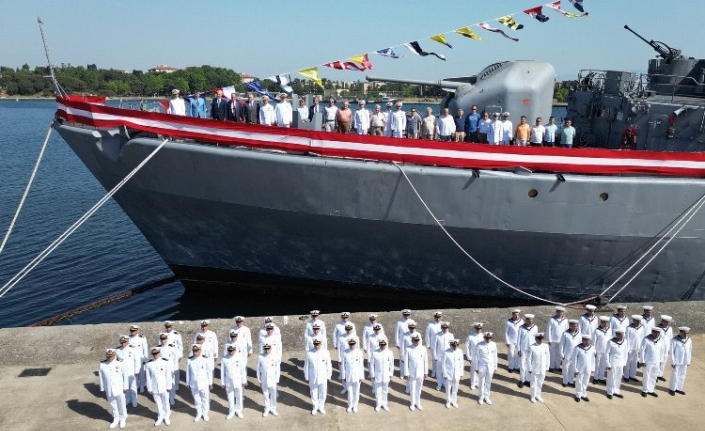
[(219, 107), (233, 108), (249, 112), (316, 107)]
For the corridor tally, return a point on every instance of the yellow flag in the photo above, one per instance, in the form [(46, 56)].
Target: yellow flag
[(574, 15), (312, 74), (441, 38), (510, 22), (465, 31)]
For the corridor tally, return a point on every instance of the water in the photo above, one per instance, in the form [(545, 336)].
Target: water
[(106, 256)]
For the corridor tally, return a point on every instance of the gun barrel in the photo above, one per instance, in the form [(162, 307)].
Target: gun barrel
[(665, 53), (440, 83)]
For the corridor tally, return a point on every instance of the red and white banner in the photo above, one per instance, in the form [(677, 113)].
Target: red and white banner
[(461, 155)]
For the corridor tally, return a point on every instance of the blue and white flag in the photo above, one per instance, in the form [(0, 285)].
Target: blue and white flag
[(387, 52), (284, 81), (228, 91), (416, 49), (256, 86)]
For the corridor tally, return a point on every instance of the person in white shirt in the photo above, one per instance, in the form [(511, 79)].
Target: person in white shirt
[(415, 370), (485, 360), (352, 369), (667, 335), (507, 130), (600, 337), (302, 110), (315, 319), (160, 377), (453, 370), (381, 370), (524, 342), (648, 321), (432, 328), (170, 352), (177, 106), (273, 340), (378, 122), (569, 340), (140, 343), (211, 339), (267, 116), (551, 129), (113, 381), (428, 125), (233, 368), (330, 113), (652, 354), (372, 344), (483, 127), (342, 345), (496, 130), (367, 332), (620, 319), (537, 133), (199, 378), (616, 357), (361, 120), (511, 335), (388, 117), (555, 328), (132, 360), (441, 344), (318, 369), (681, 355), (239, 346), (473, 339), (634, 335), (398, 122), (268, 374), (402, 328), (588, 320), (445, 126), (584, 367), (244, 333), (283, 112), (317, 335), (539, 362)]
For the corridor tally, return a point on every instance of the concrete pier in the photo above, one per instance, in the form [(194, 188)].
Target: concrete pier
[(69, 398)]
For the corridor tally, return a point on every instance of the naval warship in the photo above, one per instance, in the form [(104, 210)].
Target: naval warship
[(616, 219)]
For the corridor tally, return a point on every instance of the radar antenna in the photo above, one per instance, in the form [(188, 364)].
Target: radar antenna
[(57, 87)]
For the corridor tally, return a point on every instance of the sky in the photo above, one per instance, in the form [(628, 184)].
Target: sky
[(285, 36)]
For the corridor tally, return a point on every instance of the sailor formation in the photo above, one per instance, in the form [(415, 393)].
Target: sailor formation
[(598, 350)]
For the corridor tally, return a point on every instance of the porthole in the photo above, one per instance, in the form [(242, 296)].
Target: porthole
[(604, 196), (533, 193)]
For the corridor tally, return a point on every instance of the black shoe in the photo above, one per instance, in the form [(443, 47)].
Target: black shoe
[(586, 399), (595, 382), (653, 394), (520, 384), (528, 384), (643, 394), (577, 400), (634, 379), (609, 396), (572, 385), (672, 393), (625, 379), (680, 392), (564, 384), (663, 379), (619, 395)]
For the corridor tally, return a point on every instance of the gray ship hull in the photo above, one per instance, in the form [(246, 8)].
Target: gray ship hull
[(215, 214)]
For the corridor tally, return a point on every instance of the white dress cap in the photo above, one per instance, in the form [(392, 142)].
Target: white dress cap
[(604, 318), (667, 318), (590, 307), (637, 317), (647, 308), (528, 316)]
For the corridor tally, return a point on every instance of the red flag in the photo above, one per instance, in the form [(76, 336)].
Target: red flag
[(164, 104), (335, 65)]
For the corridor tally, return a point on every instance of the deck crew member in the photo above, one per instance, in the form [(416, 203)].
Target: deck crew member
[(443, 339), (170, 352), (316, 335), (263, 330), (283, 111), (174, 339), (239, 346), (588, 320), (652, 354), (398, 122), (244, 333), (340, 327), (584, 366), (681, 354), (206, 350), (315, 318), (318, 369), (113, 381), (199, 378), (647, 320), (233, 369), (267, 116), (415, 370), (600, 337), (485, 365), (556, 326), (361, 120), (453, 370), (539, 362), (406, 342), (473, 339), (524, 341), (616, 355), (507, 129), (140, 343), (177, 106), (496, 130), (352, 370), (432, 328), (619, 320), (372, 344), (330, 112), (367, 332), (268, 374), (273, 340), (342, 345), (569, 340), (381, 370), (160, 378), (132, 360), (399, 331), (667, 335), (634, 335), (211, 339), (511, 334)]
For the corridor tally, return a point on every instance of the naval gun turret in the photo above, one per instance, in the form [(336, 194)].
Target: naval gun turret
[(520, 87)]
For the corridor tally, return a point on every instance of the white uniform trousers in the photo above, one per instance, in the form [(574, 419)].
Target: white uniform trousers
[(536, 385), (581, 384), (650, 375), (163, 407), (234, 399), (452, 391), (662, 367), (353, 393), (512, 357), (614, 380), (438, 365), (131, 396), (568, 373), (117, 407), (555, 354), (524, 367), (677, 377), (484, 383), (600, 366), (474, 377), (174, 386), (415, 387), (142, 379), (319, 393), (202, 401), (630, 367), (381, 393), (270, 397)]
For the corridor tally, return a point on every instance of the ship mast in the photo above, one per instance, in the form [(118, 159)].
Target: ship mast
[(57, 87)]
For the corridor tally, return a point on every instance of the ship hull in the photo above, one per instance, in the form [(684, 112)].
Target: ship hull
[(218, 214)]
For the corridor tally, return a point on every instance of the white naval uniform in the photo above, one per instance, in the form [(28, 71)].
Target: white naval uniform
[(634, 336), (432, 329), (600, 338), (132, 360), (453, 370), (275, 341), (511, 334), (471, 343), (371, 346), (584, 365), (113, 381), (652, 354), (199, 378), (318, 369), (524, 341), (397, 123), (588, 324), (539, 364), (485, 360), (244, 333), (284, 114), (617, 323), (343, 343), (211, 340), (140, 343), (308, 345), (401, 329), (439, 348), (648, 324), (268, 374), (171, 353), (494, 137), (352, 371), (405, 344), (554, 329), (361, 121), (415, 368), (233, 372), (160, 378), (568, 342), (681, 354), (240, 348), (367, 332), (266, 114), (616, 355), (388, 122), (340, 330), (382, 370), (667, 335), (173, 337), (309, 328)]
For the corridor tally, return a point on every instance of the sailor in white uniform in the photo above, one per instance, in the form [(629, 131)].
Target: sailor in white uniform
[(616, 356), (140, 343), (652, 354), (315, 318), (539, 362), (382, 370), (600, 337), (172, 354), (206, 350), (339, 329), (316, 327), (432, 328), (473, 339), (174, 339), (442, 343), (511, 334), (239, 345), (199, 378), (160, 378), (353, 372), (634, 335), (453, 370), (584, 366), (527, 331), (211, 339), (405, 344), (268, 374), (233, 369), (342, 345), (415, 369), (132, 360), (569, 340), (485, 360), (318, 369), (588, 320), (556, 326), (681, 355), (244, 333), (620, 319), (648, 321), (273, 340), (113, 381), (402, 327), (507, 129), (263, 329), (372, 343), (667, 335), (367, 332)]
